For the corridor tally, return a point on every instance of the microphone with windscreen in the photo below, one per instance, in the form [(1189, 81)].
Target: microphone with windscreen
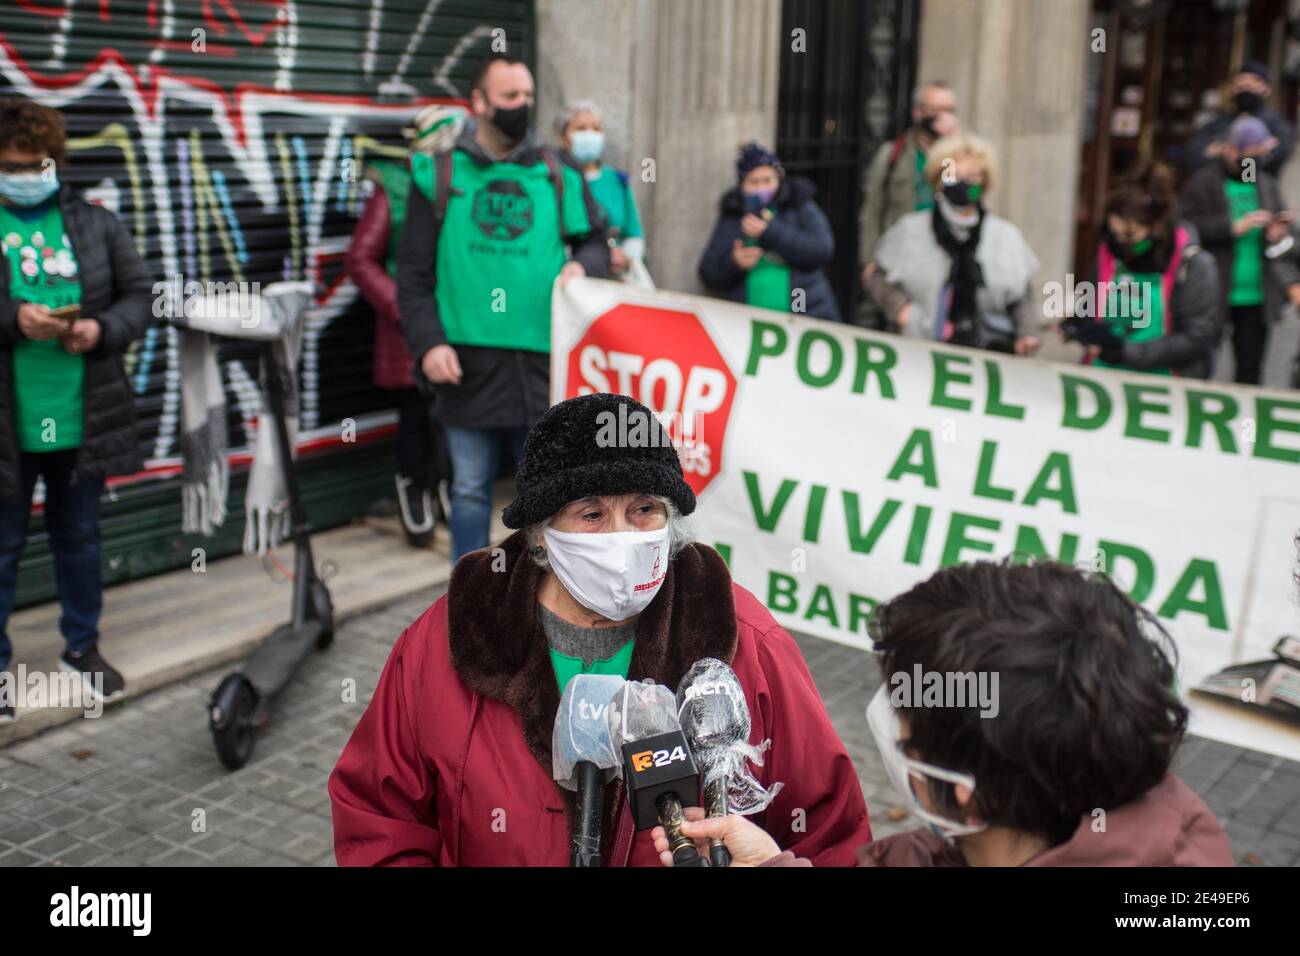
[(584, 757), (658, 769), (715, 718)]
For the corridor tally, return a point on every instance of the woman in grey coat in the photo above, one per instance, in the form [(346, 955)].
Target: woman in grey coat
[(958, 273)]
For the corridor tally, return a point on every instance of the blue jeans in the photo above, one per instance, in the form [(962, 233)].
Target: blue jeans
[(475, 457), (72, 522)]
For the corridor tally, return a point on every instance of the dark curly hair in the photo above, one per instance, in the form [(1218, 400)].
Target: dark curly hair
[(29, 126), (1088, 714), (1148, 196)]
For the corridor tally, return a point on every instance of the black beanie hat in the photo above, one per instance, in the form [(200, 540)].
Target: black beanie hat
[(595, 445)]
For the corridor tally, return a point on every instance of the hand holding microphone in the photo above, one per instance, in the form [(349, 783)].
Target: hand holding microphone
[(746, 844), (659, 771)]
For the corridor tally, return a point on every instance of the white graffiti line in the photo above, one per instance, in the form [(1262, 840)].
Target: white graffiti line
[(372, 38), (286, 41), (397, 80), (248, 396), (457, 54), (166, 30)]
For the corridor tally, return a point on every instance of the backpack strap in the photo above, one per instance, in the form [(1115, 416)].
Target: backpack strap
[(442, 188), (895, 151), (556, 174)]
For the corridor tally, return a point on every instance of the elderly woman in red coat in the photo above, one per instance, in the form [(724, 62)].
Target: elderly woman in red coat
[(451, 763)]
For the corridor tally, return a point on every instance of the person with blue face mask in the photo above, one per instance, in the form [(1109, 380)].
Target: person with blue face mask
[(74, 294), (772, 243), (581, 129)]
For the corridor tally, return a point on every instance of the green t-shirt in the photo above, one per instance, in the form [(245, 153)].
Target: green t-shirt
[(924, 194), (501, 248), (1247, 286), (1136, 312), (767, 285), (614, 193), (47, 379), (566, 668)]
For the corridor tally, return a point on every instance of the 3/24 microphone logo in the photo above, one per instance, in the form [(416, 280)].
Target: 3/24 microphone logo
[(657, 758)]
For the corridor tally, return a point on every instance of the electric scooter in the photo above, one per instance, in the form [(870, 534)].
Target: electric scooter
[(241, 703)]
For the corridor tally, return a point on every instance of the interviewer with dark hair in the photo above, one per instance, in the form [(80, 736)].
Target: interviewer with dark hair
[(1071, 768)]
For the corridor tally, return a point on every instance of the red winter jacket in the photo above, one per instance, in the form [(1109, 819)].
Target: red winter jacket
[(451, 763), (367, 264)]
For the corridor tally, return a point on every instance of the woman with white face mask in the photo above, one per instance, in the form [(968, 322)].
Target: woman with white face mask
[(451, 763)]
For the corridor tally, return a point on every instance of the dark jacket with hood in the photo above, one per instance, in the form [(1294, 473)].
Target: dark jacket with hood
[(1169, 825), (115, 289), (1204, 204), (499, 388), (798, 233)]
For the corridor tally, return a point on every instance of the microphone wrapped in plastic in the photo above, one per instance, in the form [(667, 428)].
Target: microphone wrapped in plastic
[(658, 769), (584, 757), (715, 718)]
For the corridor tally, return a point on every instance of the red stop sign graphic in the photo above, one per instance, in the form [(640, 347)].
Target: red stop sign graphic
[(665, 359)]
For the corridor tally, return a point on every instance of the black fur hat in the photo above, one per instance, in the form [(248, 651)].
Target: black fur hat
[(595, 445)]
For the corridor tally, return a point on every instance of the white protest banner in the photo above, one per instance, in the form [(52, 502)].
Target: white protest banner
[(836, 467)]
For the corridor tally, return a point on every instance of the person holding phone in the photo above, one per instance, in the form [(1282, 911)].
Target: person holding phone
[(74, 294), (772, 243), (1238, 211)]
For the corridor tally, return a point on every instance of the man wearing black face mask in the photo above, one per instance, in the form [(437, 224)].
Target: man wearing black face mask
[(488, 229), (1250, 92)]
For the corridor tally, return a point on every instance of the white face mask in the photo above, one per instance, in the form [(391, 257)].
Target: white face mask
[(616, 573), (887, 730)]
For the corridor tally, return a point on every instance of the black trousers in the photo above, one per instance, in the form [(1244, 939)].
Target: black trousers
[(1249, 334), (421, 445)]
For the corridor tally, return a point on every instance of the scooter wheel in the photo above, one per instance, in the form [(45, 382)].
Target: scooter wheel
[(324, 608), (234, 740)]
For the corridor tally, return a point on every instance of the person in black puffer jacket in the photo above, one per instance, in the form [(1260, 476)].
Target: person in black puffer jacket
[(67, 412), (772, 243)]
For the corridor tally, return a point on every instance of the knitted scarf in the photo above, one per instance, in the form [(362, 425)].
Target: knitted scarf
[(273, 315), (964, 278)]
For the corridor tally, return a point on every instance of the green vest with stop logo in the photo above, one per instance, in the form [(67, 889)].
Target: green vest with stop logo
[(500, 247)]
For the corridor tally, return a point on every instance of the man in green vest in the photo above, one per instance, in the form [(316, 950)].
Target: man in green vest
[(422, 467), (478, 255)]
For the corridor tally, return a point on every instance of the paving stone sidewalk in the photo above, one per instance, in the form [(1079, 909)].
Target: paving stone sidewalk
[(132, 787)]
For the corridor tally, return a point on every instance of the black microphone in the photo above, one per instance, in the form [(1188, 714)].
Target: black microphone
[(658, 767), (715, 718), (584, 758)]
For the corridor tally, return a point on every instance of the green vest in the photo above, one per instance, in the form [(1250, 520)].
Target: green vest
[(500, 248), (47, 380), (395, 177), (566, 667), (1136, 318)]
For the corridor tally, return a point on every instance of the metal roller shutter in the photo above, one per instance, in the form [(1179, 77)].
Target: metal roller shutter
[(228, 134)]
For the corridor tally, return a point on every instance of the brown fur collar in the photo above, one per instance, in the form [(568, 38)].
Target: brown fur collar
[(498, 647)]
